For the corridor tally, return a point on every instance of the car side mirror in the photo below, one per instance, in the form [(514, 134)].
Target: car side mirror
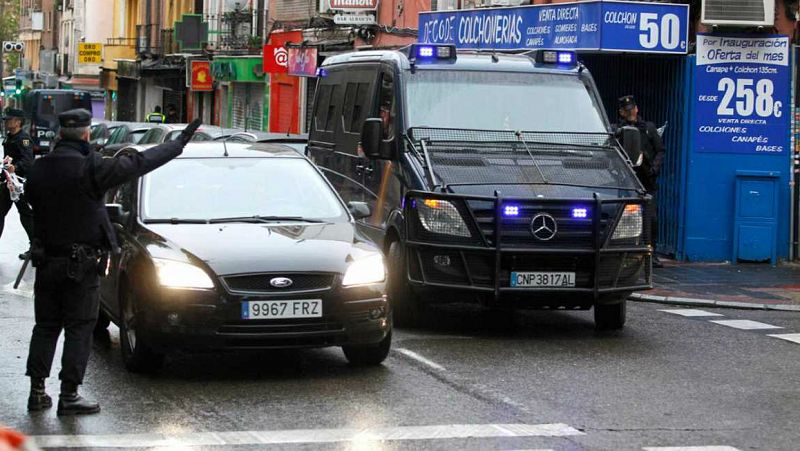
[(116, 214), (359, 210), (371, 143), (632, 144)]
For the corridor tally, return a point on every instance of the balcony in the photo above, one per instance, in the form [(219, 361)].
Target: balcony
[(237, 31), (151, 40)]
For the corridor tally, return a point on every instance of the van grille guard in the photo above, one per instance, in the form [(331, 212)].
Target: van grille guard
[(497, 236)]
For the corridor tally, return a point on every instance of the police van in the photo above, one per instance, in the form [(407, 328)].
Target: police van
[(42, 107), (490, 178)]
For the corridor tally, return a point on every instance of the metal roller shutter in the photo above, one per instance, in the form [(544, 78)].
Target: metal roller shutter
[(248, 106)]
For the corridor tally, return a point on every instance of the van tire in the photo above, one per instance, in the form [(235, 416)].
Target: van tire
[(610, 316), (406, 306)]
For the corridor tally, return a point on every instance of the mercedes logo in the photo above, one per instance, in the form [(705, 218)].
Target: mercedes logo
[(544, 227), (281, 282)]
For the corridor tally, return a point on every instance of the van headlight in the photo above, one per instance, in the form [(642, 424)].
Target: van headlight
[(441, 216), (175, 274), (630, 224), (365, 271)]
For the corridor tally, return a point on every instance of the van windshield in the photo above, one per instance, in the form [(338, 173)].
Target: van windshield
[(501, 101), (51, 105)]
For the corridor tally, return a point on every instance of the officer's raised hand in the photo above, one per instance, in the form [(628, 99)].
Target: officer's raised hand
[(188, 132)]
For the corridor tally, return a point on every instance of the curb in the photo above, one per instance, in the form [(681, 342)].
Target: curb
[(674, 300)]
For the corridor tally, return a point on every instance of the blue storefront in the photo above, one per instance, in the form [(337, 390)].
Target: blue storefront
[(725, 186)]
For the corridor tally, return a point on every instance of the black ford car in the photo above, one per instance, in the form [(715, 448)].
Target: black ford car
[(491, 178), (241, 246)]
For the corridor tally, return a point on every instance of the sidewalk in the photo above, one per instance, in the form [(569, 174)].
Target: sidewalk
[(744, 285)]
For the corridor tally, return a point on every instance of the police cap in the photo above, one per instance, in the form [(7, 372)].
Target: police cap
[(626, 102), (75, 118), (13, 113)]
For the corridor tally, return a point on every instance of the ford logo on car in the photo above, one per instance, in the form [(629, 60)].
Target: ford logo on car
[(281, 282)]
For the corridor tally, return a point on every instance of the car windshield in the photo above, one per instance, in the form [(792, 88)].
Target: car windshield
[(136, 136), (501, 101), (214, 188)]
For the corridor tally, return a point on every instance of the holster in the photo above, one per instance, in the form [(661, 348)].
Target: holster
[(38, 254)]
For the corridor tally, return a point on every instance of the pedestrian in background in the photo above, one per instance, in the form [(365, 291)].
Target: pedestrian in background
[(652, 156), (155, 116), (72, 238), (172, 114), (18, 154)]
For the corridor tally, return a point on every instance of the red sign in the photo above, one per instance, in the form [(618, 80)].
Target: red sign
[(276, 59), (345, 5), (303, 61), (201, 79)]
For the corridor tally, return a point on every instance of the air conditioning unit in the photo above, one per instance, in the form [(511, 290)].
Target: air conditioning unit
[(741, 13)]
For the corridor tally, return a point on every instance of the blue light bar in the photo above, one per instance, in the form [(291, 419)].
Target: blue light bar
[(511, 210), (580, 213), (566, 57), (425, 51), (321, 72)]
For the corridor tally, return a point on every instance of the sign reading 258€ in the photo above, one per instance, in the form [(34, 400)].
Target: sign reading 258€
[(90, 53), (742, 94)]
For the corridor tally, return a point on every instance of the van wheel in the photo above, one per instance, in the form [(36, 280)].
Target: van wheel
[(368, 355), (610, 316), (406, 306), (137, 356)]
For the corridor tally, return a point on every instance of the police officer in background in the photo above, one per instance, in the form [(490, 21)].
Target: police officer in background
[(155, 116), (72, 238), (18, 151), (652, 154)]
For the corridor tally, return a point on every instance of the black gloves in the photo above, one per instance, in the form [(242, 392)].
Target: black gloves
[(188, 132)]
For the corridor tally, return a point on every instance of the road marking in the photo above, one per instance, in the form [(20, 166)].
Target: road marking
[(794, 338), (744, 324), (359, 436), (419, 358), (691, 448), (690, 312)]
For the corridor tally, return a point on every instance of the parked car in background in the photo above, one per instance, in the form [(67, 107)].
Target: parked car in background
[(240, 247), (169, 132), (121, 135)]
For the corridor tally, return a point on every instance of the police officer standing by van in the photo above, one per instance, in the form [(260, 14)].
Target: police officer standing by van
[(72, 238), (18, 152), (652, 153)]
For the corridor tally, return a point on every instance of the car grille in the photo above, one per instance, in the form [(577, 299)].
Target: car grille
[(516, 231), (260, 283)]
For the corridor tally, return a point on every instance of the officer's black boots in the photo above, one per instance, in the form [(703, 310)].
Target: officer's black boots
[(71, 403), (38, 399)]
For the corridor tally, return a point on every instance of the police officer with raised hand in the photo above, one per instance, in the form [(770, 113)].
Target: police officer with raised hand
[(652, 153), (18, 153), (72, 238)]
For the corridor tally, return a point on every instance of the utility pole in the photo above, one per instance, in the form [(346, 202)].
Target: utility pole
[(2, 54)]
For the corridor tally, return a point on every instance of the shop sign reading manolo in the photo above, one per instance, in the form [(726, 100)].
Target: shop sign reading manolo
[(353, 5), (591, 25)]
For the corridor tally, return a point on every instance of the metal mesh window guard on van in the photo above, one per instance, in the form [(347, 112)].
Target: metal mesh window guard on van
[(462, 157)]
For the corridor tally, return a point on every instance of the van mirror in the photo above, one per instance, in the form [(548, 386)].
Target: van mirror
[(371, 143), (632, 144)]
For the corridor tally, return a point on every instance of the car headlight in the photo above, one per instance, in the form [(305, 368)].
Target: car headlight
[(441, 216), (630, 224), (365, 271), (175, 274)]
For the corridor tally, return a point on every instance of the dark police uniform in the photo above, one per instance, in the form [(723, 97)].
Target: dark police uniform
[(653, 156), (20, 148), (72, 234)]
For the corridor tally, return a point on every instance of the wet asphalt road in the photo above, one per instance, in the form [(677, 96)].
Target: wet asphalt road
[(665, 381)]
